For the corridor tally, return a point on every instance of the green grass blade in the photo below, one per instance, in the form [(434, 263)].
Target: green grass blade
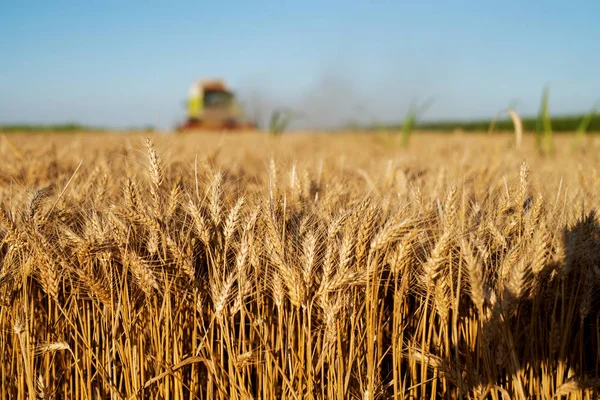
[(587, 119), (544, 124), (410, 121)]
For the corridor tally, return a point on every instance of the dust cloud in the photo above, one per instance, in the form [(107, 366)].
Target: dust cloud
[(331, 102)]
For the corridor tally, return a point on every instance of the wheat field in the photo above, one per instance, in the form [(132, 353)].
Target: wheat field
[(300, 267)]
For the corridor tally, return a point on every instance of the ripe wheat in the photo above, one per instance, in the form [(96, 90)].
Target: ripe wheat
[(310, 267)]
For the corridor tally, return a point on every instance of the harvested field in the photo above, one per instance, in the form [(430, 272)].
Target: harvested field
[(301, 267)]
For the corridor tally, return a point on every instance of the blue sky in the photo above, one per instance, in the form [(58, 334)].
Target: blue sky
[(123, 64)]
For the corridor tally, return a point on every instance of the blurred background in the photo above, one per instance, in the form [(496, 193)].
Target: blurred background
[(332, 64)]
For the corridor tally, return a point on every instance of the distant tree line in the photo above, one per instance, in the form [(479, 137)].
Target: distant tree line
[(63, 128), (569, 123), (67, 127)]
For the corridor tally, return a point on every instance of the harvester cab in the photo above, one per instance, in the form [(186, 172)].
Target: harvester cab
[(211, 105)]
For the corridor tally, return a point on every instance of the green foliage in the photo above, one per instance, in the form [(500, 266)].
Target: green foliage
[(544, 125), (585, 123), (587, 120), (280, 120), (32, 128), (565, 123), (410, 121)]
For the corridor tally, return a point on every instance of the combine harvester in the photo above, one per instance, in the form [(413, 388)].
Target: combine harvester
[(212, 106)]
